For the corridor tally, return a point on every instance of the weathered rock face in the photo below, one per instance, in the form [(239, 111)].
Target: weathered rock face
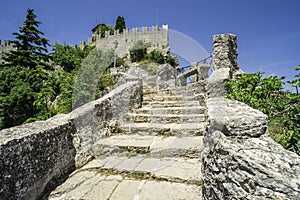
[(215, 83), (33, 157), (240, 161), (96, 119), (164, 76), (234, 118), (248, 168), (225, 52)]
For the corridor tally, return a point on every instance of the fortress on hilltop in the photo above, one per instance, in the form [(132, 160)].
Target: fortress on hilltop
[(161, 136), (122, 42)]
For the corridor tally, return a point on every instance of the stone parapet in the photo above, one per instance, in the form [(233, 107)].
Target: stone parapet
[(35, 157)]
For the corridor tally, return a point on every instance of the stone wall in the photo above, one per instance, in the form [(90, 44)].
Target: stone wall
[(102, 117), (225, 52), (5, 47), (240, 161), (34, 157), (157, 37)]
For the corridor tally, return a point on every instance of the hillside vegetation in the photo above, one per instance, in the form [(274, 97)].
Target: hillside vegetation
[(36, 85), (268, 95)]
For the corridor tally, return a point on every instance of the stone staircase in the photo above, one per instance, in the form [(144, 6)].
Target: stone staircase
[(157, 155)]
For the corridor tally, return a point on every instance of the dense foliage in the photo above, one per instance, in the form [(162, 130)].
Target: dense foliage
[(24, 76), (90, 76), (139, 53), (68, 57), (35, 85), (268, 95)]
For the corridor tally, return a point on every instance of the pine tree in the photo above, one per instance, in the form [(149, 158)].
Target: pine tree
[(30, 48), (120, 24), (24, 75)]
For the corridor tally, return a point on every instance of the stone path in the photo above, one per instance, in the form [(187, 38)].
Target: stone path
[(157, 156)]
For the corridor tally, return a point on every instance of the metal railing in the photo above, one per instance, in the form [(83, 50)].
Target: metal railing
[(203, 61)]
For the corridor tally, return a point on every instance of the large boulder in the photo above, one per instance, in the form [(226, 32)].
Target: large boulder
[(240, 161), (234, 118)]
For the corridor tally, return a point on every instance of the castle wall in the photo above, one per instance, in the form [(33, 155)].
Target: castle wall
[(6, 47), (157, 37)]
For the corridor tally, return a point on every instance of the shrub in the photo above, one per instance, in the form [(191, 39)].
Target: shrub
[(282, 107), (139, 51)]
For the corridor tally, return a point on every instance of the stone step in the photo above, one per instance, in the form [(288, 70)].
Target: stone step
[(163, 104), (180, 92), (163, 98), (90, 184), (156, 146), (189, 87), (180, 97), (170, 169), (171, 110), (169, 92), (175, 129), (168, 118)]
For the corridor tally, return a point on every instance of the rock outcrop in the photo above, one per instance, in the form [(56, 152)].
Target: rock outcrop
[(34, 156), (239, 160)]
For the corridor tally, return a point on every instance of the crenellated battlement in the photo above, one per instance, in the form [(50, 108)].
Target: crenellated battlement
[(7, 43), (122, 42), (5, 47)]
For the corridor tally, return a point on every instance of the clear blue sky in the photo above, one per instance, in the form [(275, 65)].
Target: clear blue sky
[(268, 31)]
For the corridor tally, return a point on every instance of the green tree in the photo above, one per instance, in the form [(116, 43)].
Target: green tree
[(68, 57), (30, 48), (296, 82), (120, 24), (156, 56), (16, 96), (139, 51), (87, 81)]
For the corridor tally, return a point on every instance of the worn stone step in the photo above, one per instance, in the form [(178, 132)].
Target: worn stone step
[(178, 97), (171, 110), (163, 98), (175, 129), (197, 97), (170, 169), (156, 146), (168, 118), (162, 104), (170, 92), (179, 90), (93, 184)]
